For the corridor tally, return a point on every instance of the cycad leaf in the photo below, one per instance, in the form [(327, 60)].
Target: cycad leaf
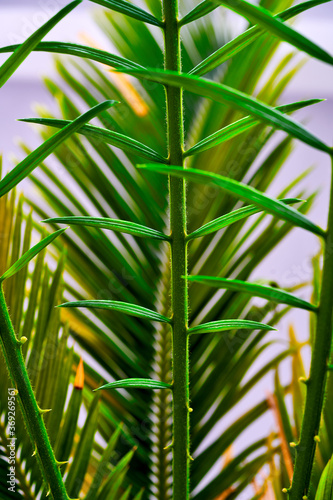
[(136, 383), (23, 50), (121, 226), (242, 191), (325, 486), (275, 26), (130, 10), (228, 324), (109, 136), (200, 10), (78, 50), (255, 290), (239, 43), (26, 166), (124, 307), (231, 218), (240, 126), (28, 256), (235, 98)]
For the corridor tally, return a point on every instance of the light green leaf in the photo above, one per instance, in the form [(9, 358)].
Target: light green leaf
[(200, 10), (255, 290), (275, 26), (231, 218), (240, 126), (136, 383), (235, 98), (123, 307), (228, 324), (325, 486), (122, 226), (247, 37), (130, 10), (242, 191), (28, 256), (26, 166), (109, 136), (78, 50), (21, 53)]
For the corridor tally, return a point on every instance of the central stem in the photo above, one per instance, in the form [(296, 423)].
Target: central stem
[(181, 421)]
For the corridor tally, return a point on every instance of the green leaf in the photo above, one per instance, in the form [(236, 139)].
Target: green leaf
[(228, 324), (139, 495), (235, 98), (136, 383), (124, 307), (26, 166), (239, 43), (325, 486), (231, 218), (200, 10), (121, 226), (255, 290), (78, 50), (109, 136), (242, 191), (240, 126), (23, 50), (208, 6), (129, 10), (28, 256), (275, 26)]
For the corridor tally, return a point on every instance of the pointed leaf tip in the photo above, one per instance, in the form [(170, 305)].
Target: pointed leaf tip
[(79, 377), (30, 254)]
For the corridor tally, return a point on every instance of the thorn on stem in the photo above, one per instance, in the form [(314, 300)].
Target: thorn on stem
[(304, 380), (317, 439), (41, 412), (169, 446), (293, 445), (22, 340)]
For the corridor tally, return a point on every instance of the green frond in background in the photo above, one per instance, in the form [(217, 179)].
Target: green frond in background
[(52, 365)]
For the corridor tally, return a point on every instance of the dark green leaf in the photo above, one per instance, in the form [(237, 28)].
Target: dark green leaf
[(325, 486), (84, 51), (109, 136), (240, 126), (231, 218), (122, 226), (242, 191), (235, 98), (255, 290), (136, 383), (124, 307), (228, 324), (244, 39), (200, 10), (28, 256), (26, 166), (22, 51), (130, 10), (263, 17)]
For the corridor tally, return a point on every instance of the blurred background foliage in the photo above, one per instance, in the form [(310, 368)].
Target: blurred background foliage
[(88, 177)]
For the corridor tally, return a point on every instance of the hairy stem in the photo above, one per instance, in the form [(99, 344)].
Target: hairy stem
[(30, 411), (306, 448), (181, 422)]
